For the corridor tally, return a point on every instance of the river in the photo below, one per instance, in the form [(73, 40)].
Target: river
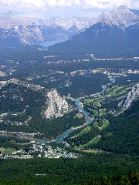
[(88, 120), (60, 139)]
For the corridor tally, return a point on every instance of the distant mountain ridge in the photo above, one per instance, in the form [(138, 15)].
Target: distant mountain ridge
[(116, 34), (136, 12), (31, 30), (121, 17)]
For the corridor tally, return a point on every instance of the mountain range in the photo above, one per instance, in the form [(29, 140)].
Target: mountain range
[(111, 30), (116, 34), (26, 30)]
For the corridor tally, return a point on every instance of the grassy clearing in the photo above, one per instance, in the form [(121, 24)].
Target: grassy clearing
[(84, 131), (105, 124), (7, 151), (92, 151), (79, 116), (94, 141), (117, 91)]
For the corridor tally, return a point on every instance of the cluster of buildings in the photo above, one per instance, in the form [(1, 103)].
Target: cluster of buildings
[(35, 149)]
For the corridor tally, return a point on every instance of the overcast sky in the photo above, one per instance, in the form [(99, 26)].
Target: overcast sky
[(64, 8)]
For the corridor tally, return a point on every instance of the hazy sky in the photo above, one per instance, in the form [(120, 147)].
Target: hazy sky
[(53, 8)]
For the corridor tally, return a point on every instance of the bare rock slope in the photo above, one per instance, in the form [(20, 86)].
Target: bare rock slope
[(57, 105)]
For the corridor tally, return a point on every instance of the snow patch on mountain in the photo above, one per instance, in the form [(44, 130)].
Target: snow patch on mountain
[(121, 17), (25, 34), (67, 23), (34, 30), (29, 32)]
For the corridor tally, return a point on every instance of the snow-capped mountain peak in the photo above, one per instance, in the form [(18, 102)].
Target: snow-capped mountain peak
[(28, 31), (33, 30), (78, 22), (121, 16)]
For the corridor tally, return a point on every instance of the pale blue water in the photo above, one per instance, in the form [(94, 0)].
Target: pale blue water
[(51, 43), (88, 120), (60, 139)]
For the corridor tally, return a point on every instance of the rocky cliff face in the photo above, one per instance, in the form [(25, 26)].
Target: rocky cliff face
[(57, 105), (121, 17), (132, 96)]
